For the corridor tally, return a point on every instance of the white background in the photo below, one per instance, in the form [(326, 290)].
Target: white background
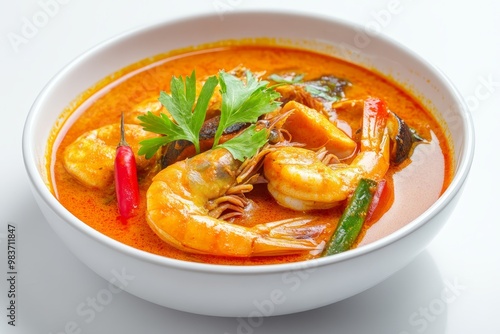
[(452, 287)]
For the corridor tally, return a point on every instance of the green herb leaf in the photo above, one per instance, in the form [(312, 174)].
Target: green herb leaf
[(243, 103), (150, 146), (180, 104), (247, 143), (328, 88), (322, 92), (287, 79)]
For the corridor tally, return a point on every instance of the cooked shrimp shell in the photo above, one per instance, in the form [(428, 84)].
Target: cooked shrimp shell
[(90, 158)]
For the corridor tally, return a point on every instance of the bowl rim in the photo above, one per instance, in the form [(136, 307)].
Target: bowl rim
[(462, 164)]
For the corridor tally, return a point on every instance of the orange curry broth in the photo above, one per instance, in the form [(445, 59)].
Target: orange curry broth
[(421, 181)]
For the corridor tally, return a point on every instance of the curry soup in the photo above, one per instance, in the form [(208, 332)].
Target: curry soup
[(416, 183)]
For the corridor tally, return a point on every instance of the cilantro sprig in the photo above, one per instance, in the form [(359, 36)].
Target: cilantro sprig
[(188, 117), (242, 102), (246, 144)]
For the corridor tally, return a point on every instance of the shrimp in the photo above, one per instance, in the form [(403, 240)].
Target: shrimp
[(90, 158), (148, 105), (178, 211), (299, 179)]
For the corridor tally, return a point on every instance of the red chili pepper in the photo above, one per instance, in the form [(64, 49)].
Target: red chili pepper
[(381, 202), (126, 184)]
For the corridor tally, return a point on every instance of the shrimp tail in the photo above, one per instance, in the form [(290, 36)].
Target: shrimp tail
[(286, 236)]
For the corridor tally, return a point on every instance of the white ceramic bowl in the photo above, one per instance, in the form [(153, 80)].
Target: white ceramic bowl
[(247, 290)]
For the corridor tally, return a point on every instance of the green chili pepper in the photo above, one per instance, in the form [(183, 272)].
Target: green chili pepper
[(352, 219)]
